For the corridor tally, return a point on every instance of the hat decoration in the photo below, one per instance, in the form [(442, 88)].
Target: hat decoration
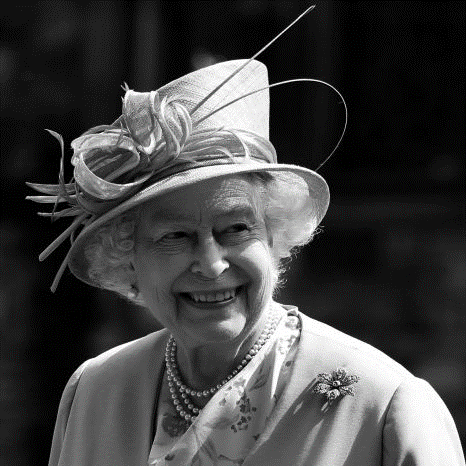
[(154, 137)]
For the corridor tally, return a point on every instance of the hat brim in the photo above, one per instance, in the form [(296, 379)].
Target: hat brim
[(318, 190)]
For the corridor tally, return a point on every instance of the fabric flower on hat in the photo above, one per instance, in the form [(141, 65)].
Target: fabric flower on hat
[(110, 161), (101, 158)]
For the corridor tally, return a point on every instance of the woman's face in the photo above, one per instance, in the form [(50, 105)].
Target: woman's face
[(203, 261)]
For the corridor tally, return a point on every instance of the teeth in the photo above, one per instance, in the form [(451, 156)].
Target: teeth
[(213, 297)]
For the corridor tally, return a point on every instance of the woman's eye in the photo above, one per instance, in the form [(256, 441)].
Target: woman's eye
[(237, 228), (174, 235)]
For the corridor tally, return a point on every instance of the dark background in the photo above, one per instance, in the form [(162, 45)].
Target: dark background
[(389, 267)]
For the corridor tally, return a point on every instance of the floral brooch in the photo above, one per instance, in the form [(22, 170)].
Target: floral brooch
[(335, 384)]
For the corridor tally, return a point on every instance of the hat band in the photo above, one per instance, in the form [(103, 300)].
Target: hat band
[(206, 161), (253, 150)]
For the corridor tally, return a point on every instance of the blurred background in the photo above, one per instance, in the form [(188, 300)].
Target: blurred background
[(389, 267)]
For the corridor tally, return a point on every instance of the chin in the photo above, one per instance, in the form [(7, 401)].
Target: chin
[(216, 322), (225, 330)]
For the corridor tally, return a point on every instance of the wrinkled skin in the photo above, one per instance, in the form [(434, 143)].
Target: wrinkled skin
[(201, 239)]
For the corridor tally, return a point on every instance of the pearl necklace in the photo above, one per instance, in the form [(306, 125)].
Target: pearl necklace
[(185, 406)]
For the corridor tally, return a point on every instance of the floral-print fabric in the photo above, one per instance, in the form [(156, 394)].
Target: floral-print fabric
[(232, 421)]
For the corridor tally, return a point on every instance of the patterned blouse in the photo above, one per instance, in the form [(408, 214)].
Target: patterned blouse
[(232, 421)]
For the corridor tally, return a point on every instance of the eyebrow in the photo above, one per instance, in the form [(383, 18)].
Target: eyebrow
[(161, 216)]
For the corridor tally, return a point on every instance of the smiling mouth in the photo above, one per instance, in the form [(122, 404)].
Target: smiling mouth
[(212, 296)]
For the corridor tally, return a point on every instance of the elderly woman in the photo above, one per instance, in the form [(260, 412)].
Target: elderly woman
[(186, 211)]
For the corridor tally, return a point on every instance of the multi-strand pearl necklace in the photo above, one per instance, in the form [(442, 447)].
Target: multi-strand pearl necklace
[(181, 394)]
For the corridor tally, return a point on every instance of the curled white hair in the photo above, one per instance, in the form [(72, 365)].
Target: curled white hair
[(289, 214)]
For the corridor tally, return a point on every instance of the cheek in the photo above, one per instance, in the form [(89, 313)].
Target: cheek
[(156, 275), (258, 264)]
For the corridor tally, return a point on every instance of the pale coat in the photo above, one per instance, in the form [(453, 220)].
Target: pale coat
[(106, 414)]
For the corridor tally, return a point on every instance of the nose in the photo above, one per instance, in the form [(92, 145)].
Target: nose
[(210, 260)]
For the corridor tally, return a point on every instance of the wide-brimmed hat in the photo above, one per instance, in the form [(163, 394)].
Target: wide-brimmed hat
[(211, 123)]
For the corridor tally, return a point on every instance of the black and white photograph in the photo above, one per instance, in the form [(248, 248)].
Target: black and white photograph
[(232, 233)]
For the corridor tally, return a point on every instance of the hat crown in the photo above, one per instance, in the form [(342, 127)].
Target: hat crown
[(250, 113)]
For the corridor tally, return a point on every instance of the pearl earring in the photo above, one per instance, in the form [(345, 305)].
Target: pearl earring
[(195, 267), (133, 292)]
